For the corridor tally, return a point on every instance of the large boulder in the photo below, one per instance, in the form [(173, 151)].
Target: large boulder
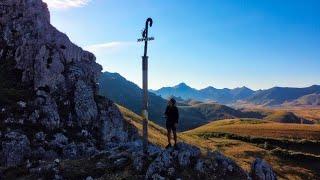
[(15, 148), (217, 166), (261, 170), (183, 156)]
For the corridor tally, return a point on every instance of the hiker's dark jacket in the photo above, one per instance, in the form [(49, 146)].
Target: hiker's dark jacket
[(172, 114)]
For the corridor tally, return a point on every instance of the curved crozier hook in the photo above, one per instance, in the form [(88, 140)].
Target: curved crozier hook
[(149, 22)]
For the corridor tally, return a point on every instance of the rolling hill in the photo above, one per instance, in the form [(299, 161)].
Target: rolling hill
[(202, 113), (286, 117)]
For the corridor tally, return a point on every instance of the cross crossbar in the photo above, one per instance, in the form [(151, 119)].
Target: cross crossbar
[(146, 39)]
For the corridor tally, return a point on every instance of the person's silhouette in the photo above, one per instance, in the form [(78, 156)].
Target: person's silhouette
[(172, 119)]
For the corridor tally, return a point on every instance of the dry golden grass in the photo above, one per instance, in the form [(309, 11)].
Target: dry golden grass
[(307, 113), (241, 152), (157, 134), (245, 153), (259, 128)]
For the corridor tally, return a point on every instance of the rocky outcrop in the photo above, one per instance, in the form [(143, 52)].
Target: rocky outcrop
[(185, 161), (126, 161), (51, 87)]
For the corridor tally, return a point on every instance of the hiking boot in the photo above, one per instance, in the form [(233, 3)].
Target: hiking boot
[(168, 146)]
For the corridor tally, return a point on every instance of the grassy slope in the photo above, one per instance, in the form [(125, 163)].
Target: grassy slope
[(242, 152), (157, 134)]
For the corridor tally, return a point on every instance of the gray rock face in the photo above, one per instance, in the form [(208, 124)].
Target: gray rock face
[(112, 123), (85, 106), (261, 170), (15, 148), (49, 108), (61, 81), (62, 76)]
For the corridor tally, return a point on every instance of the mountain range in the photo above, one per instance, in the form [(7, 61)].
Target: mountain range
[(193, 113), (280, 95), (275, 96), (224, 96)]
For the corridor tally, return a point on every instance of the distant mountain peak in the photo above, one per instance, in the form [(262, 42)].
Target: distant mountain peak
[(182, 85), (243, 88), (210, 88)]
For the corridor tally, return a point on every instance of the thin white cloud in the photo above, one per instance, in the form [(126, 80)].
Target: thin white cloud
[(66, 4), (116, 54), (111, 47)]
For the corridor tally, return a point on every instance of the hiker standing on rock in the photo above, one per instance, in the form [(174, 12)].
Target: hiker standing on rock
[(172, 118)]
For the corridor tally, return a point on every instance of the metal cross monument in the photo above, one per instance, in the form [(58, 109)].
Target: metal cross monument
[(145, 38)]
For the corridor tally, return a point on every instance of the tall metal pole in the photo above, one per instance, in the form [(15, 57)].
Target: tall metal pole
[(145, 38), (145, 102)]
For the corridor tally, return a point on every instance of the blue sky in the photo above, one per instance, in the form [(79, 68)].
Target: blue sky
[(221, 43)]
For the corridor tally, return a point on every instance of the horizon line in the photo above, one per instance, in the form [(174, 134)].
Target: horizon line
[(155, 89)]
